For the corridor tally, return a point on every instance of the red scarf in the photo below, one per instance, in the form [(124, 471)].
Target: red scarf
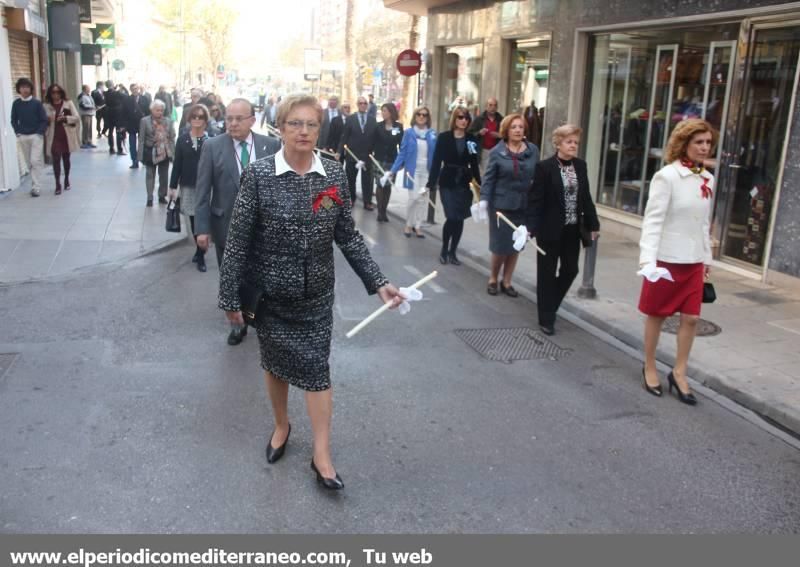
[(331, 192), (698, 170)]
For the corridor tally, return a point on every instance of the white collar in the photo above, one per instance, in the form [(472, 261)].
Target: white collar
[(26, 99), (281, 166), (250, 141)]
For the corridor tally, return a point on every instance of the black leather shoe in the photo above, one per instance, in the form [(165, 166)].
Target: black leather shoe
[(443, 258), (454, 259), (162, 200), (329, 483), (655, 390), (491, 288), (149, 202), (274, 455), (548, 330), (201, 264), (687, 399), (509, 291), (236, 336)]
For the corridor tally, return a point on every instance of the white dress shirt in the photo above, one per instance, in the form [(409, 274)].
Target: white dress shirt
[(677, 221), (282, 166), (237, 149)]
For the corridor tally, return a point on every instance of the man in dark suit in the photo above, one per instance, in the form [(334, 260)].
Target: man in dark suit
[(359, 136), (112, 117), (136, 108), (100, 107), (331, 120), (222, 161)]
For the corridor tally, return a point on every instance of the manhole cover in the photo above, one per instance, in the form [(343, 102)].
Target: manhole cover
[(507, 345), (704, 328), (6, 362)]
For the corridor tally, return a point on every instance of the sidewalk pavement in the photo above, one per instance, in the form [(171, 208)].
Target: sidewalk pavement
[(754, 361), (102, 219)]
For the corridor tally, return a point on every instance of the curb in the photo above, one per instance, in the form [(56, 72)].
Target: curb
[(780, 415)]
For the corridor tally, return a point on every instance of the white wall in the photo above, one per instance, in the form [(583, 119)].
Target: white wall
[(9, 165)]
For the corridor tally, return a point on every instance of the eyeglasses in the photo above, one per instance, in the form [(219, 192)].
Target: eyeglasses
[(423, 114), (197, 117), (234, 119), (361, 103), (298, 125), (461, 117)]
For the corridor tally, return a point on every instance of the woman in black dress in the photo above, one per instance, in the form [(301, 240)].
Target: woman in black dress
[(388, 136), (455, 164), (290, 209)]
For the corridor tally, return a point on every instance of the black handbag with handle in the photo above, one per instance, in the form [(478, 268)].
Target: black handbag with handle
[(251, 301), (174, 216), (709, 293)]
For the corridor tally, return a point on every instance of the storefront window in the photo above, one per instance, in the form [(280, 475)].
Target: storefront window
[(462, 80), (642, 85), (530, 72)]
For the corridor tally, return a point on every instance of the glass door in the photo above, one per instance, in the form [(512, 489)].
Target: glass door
[(527, 93), (619, 62), (755, 153)]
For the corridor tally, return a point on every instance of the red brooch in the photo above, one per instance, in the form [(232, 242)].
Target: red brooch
[(706, 190), (327, 198)]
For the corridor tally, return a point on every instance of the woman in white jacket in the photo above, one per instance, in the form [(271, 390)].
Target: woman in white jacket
[(676, 246)]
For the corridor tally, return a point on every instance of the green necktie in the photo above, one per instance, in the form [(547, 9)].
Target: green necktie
[(245, 155)]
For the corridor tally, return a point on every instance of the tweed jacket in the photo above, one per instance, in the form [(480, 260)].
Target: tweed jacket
[(282, 243), (218, 182), (72, 127), (547, 208), (503, 187), (677, 221)]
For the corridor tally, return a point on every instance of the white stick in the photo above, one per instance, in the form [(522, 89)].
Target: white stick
[(372, 157), (272, 130), (476, 191), (505, 219), (327, 153), (374, 315), (352, 155)]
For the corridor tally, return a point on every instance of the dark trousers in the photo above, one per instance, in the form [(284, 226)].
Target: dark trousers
[(132, 146), (120, 138), (551, 288), (366, 180), (99, 115)]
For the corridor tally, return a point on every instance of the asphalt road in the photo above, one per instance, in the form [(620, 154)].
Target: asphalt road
[(125, 411)]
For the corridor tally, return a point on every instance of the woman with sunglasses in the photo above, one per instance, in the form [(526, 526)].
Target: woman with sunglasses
[(184, 170), (416, 157), (63, 136), (455, 164)]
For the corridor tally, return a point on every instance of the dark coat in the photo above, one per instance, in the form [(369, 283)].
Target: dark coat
[(133, 111), (546, 207), (503, 187), (184, 168), (113, 112), (451, 169), (386, 142), (360, 143)]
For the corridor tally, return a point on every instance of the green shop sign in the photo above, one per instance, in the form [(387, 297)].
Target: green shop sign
[(103, 35)]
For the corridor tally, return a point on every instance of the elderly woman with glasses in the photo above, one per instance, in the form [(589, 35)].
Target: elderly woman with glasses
[(62, 136), (184, 170), (157, 136), (291, 208), (455, 164), (416, 157)]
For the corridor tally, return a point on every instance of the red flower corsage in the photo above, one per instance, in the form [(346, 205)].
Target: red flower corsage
[(704, 188), (327, 198)]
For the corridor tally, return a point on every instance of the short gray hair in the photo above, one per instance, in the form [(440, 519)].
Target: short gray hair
[(158, 103), (291, 102)]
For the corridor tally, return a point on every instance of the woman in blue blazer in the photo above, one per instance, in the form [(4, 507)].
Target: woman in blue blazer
[(416, 156)]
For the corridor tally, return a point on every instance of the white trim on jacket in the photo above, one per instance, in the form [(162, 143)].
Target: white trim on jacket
[(677, 222)]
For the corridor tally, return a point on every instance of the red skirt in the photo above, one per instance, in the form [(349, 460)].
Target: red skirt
[(664, 298)]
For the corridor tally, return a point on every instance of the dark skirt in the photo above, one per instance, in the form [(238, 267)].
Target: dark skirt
[(501, 241), (664, 298), (456, 202), (295, 341), (60, 143)]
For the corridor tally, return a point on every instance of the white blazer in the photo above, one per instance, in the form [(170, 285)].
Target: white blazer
[(677, 222)]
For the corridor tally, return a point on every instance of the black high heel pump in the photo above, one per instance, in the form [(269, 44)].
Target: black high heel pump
[(655, 390), (329, 483), (688, 399)]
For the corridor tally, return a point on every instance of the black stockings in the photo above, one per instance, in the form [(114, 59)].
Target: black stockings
[(57, 168), (451, 235)]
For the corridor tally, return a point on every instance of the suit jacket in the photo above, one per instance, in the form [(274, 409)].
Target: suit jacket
[(133, 112), (450, 169), (113, 111), (325, 131), (546, 205), (677, 221), (360, 143), (218, 182)]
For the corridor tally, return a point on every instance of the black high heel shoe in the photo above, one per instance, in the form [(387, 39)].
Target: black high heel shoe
[(273, 455), (688, 399), (655, 390), (329, 483)]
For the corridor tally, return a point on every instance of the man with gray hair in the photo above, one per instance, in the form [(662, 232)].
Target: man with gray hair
[(486, 128)]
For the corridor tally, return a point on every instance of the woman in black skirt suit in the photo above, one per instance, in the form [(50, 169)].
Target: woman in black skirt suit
[(290, 210), (455, 164), (561, 216), (388, 136)]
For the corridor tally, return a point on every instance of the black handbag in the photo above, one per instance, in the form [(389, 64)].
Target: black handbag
[(174, 216), (251, 300), (709, 293)]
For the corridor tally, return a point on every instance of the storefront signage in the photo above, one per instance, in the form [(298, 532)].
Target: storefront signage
[(24, 20), (409, 62), (118, 64), (103, 34), (91, 54)]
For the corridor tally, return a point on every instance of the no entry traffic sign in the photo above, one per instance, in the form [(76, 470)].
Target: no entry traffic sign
[(409, 62)]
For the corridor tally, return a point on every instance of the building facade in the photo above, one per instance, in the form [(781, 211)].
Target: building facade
[(628, 72)]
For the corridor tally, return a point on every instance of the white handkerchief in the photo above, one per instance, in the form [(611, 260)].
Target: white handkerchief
[(422, 190), (653, 273), (475, 211), (412, 294), (360, 164), (520, 237)]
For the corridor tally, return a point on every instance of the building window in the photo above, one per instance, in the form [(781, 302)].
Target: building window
[(641, 85), (529, 76), (461, 85)]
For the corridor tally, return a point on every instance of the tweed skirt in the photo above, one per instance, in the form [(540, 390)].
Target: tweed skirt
[(456, 202), (188, 199), (295, 341), (501, 241)]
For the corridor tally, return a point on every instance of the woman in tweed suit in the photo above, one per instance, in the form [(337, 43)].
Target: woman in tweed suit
[(290, 210)]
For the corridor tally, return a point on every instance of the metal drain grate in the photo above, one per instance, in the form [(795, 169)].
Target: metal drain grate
[(704, 328), (507, 345), (6, 362)]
